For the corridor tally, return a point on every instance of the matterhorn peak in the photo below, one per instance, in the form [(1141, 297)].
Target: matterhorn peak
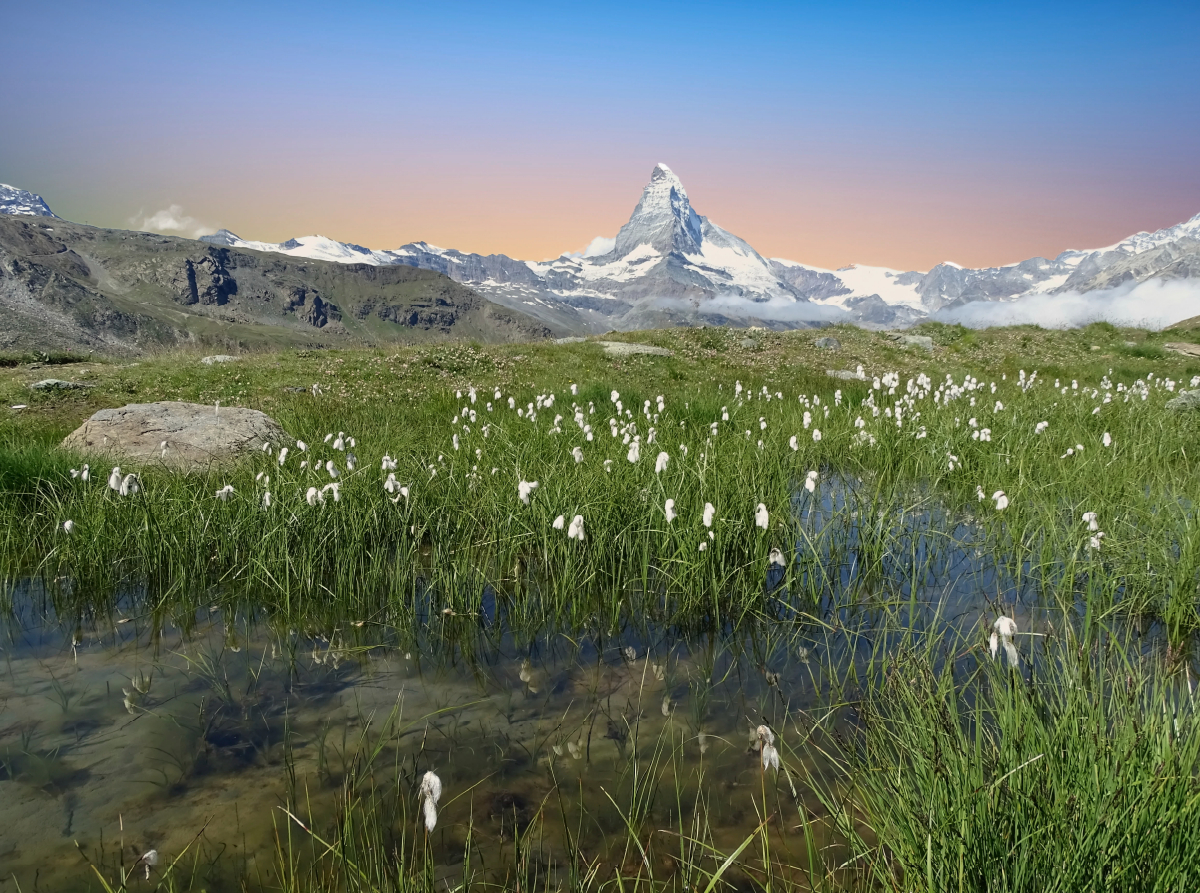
[(20, 202), (663, 219)]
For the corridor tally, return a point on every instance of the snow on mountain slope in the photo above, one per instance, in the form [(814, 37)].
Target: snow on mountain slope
[(18, 201)]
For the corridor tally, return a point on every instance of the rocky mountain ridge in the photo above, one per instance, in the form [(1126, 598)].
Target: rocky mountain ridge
[(64, 286), (670, 265)]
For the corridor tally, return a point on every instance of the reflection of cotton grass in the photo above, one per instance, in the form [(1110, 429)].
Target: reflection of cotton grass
[(1003, 631), (149, 859), (776, 558)]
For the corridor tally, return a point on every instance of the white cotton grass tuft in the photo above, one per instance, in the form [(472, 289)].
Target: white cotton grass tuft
[(114, 479), (810, 481), (761, 517), (225, 492), (149, 859), (777, 558), (525, 490), (68, 526), (709, 512), (1106, 440), (430, 792), (575, 531), (660, 464), (669, 510), (1003, 631), (560, 522), (1000, 499), (635, 452), (1090, 519), (266, 499), (577, 454), (129, 485)]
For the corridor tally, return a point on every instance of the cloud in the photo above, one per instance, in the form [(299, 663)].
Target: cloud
[(1154, 304), (171, 220), (598, 246)]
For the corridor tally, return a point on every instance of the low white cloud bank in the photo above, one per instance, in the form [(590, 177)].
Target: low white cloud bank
[(171, 220), (599, 246), (1155, 304), (778, 309)]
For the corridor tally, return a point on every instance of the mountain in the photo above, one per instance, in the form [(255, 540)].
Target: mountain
[(64, 286), (669, 265), (19, 202)]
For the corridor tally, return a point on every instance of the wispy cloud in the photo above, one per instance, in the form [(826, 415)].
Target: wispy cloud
[(598, 246), (171, 220), (1150, 305)]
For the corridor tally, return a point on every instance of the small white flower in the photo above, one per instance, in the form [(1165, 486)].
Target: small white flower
[(669, 509), (68, 526), (709, 512), (430, 792), (129, 485), (761, 517), (770, 757), (1003, 631)]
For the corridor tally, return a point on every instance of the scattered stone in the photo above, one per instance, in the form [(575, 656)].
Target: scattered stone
[(1130, 343), (573, 339), (1094, 347), (218, 358), (294, 389), (1184, 347), (923, 341), (749, 343), (828, 343), (196, 435), (845, 375), (625, 349), (55, 384), (1187, 401)]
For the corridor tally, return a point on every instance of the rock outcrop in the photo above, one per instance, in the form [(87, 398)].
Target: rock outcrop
[(181, 436)]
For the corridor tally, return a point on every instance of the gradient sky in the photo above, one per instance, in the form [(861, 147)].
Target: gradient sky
[(825, 133)]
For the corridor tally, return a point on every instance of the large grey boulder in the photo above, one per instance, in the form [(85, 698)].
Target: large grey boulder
[(195, 435), (57, 384), (627, 349), (1187, 401)]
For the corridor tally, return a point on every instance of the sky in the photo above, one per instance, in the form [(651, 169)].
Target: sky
[(899, 135)]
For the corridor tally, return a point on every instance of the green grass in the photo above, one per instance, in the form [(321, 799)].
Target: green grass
[(1077, 773)]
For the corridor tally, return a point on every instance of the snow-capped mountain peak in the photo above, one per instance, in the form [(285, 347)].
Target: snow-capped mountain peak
[(18, 201), (663, 219)]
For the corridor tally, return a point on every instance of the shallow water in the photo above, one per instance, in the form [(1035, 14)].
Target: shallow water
[(134, 732)]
